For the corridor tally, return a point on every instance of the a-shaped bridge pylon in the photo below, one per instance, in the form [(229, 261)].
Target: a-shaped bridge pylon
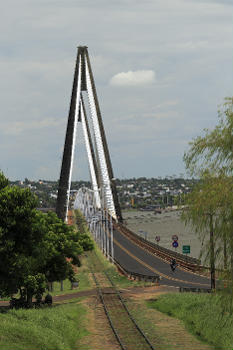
[(99, 161)]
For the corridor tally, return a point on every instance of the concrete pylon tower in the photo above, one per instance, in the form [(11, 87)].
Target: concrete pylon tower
[(102, 178)]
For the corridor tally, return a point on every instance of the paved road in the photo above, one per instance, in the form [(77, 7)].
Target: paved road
[(135, 259)]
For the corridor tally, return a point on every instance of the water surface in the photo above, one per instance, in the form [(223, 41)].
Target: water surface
[(164, 225)]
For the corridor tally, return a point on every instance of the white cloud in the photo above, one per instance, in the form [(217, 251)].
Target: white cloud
[(180, 45), (16, 128), (133, 78)]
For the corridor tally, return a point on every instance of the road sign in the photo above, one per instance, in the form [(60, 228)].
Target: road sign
[(157, 238), (175, 238), (186, 249), (175, 244)]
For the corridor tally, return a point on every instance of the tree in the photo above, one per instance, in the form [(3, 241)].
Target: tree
[(213, 154), (204, 205), (3, 181), (33, 246), (61, 242), (214, 150)]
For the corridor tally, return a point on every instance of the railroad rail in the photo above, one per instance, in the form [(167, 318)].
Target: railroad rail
[(127, 332), (186, 262)]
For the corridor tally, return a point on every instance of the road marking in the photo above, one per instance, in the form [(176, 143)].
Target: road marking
[(153, 269), (159, 257)]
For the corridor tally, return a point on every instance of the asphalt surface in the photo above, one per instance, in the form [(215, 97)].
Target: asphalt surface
[(135, 259)]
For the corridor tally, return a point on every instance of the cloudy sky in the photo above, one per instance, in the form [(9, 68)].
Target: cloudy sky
[(161, 68)]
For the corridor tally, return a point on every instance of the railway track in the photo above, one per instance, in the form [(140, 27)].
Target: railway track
[(127, 332)]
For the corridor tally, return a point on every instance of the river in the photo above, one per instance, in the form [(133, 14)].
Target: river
[(166, 224)]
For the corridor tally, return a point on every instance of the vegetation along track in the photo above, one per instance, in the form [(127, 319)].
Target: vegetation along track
[(129, 335)]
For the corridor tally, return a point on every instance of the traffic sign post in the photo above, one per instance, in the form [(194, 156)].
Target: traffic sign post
[(186, 249), (143, 233), (175, 244), (175, 238)]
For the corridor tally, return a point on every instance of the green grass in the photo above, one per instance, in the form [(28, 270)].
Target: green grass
[(56, 328), (202, 314)]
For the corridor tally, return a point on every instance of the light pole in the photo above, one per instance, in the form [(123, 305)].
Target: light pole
[(99, 219), (111, 235), (107, 228)]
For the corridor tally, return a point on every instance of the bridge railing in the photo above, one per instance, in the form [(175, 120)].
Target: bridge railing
[(137, 276), (166, 254)]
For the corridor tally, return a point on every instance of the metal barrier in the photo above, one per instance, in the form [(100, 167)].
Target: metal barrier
[(187, 262), (137, 276), (195, 290)]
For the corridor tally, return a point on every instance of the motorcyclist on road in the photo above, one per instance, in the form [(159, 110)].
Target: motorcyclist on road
[(173, 264)]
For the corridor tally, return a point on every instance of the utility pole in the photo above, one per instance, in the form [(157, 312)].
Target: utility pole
[(212, 258)]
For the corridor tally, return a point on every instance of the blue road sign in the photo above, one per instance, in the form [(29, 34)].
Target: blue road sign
[(175, 244)]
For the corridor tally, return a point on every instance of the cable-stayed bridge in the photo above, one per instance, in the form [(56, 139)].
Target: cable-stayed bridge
[(100, 166), (100, 205)]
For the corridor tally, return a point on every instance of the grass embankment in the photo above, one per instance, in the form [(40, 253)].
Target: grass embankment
[(57, 328), (202, 314)]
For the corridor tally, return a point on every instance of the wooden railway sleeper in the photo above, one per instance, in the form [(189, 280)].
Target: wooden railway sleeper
[(126, 309), (129, 314)]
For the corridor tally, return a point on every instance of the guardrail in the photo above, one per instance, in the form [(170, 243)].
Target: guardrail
[(187, 262), (137, 276), (195, 290)]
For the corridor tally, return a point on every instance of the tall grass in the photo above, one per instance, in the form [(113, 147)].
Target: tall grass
[(56, 328), (203, 314)]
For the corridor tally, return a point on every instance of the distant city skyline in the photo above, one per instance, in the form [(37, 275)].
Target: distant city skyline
[(161, 69)]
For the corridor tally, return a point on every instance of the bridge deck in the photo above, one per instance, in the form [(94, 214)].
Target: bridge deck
[(134, 258)]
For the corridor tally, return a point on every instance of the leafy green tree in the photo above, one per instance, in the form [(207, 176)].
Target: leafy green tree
[(61, 242), (34, 247), (214, 150), (204, 205), (3, 181), (213, 153), (17, 238)]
